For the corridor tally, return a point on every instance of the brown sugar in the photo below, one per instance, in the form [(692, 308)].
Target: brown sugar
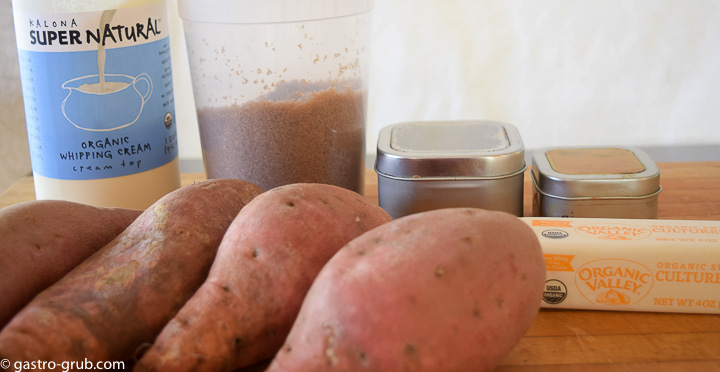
[(317, 136)]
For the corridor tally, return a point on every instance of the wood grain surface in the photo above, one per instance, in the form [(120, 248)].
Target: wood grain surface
[(579, 340)]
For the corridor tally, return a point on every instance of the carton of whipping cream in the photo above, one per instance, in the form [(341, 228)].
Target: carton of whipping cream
[(630, 264)]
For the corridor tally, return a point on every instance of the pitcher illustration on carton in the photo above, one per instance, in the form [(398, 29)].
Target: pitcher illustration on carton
[(99, 105)]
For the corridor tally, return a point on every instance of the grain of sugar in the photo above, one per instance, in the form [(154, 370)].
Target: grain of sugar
[(316, 137)]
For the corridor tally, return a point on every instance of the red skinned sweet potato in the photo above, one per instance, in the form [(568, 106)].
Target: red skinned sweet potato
[(42, 240), (446, 290), (265, 264), (122, 296)]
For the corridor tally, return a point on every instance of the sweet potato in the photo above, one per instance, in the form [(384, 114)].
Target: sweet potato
[(42, 240), (265, 264), (122, 296), (446, 290)]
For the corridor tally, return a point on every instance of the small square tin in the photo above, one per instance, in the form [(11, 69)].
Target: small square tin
[(600, 182), (430, 165)]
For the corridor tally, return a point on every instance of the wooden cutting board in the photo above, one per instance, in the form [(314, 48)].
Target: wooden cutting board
[(578, 340)]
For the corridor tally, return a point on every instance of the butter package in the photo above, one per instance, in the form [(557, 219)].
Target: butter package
[(630, 264)]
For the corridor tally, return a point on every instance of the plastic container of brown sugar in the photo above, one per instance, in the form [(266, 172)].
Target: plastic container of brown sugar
[(430, 165), (597, 182), (280, 88)]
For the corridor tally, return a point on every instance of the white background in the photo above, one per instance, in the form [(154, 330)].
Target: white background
[(565, 72), (581, 72)]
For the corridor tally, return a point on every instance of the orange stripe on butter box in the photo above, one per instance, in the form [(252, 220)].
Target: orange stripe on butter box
[(630, 264)]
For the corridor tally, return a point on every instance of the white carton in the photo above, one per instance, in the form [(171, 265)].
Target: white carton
[(630, 264)]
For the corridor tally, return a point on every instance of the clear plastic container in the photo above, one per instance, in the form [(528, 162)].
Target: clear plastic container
[(280, 88), (98, 95)]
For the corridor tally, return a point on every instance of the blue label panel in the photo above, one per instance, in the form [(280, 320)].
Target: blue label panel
[(80, 128)]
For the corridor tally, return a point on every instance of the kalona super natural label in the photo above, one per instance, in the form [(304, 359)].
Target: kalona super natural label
[(100, 77)]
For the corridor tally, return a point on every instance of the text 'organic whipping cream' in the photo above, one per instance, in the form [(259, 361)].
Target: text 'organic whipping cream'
[(630, 264), (98, 92)]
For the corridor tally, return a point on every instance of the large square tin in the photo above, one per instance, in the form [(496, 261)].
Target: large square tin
[(430, 165), (598, 182)]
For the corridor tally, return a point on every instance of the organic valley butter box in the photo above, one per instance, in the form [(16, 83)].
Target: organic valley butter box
[(630, 264)]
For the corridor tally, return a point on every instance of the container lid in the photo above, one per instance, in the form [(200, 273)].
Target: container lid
[(581, 172), (269, 11), (449, 149)]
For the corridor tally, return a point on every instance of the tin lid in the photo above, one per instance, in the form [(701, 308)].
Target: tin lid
[(578, 172), (449, 149)]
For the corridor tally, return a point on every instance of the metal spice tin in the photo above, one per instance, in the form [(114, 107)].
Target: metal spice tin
[(430, 165), (602, 182)]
